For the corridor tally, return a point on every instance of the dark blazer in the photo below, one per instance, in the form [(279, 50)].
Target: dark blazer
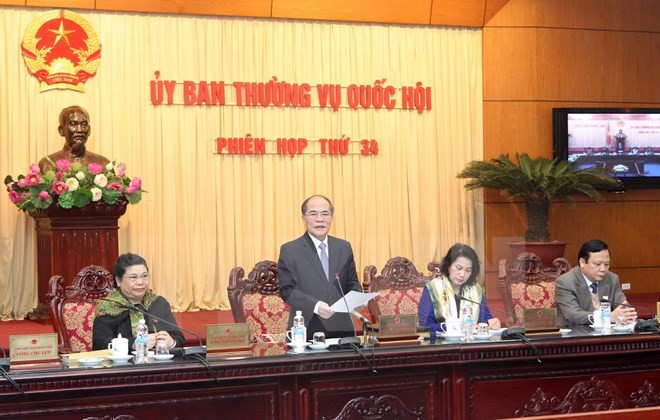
[(303, 283), (573, 297)]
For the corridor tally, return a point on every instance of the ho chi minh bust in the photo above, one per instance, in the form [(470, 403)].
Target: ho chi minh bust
[(74, 127)]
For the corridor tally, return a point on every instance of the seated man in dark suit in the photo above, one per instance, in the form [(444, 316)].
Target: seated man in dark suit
[(578, 292), (305, 284)]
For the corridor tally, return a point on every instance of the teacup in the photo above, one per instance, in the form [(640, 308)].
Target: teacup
[(119, 346), (318, 338), (298, 343), (452, 326), (596, 319), (162, 348)]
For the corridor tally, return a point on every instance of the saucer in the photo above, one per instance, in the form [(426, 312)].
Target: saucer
[(621, 329), (497, 333), (482, 336), (455, 336), (92, 361), (565, 331), (163, 356), (292, 346), (318, 346), (596, 327), (120, 359)]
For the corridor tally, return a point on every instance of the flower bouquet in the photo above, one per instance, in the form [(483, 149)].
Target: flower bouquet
[(73, 184)]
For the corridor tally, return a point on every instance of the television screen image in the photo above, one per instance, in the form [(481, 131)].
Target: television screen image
[(626, 142)]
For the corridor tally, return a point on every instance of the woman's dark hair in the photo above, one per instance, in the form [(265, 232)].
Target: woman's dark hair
[(594, 245), (128, 260), (461, 250)]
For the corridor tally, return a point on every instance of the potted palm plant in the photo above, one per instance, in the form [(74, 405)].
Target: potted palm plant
[(537, 182)]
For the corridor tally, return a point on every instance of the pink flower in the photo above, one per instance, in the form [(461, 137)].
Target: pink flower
[(115, 186), (95, 168), (44, 195), (59, 187), (22, 183), (32, 179), (63, 165), (137, 183), (120, 170), (59, 175), (131, 190), (34, 168), (14, 197)]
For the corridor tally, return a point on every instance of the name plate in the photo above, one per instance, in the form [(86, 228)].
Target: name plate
[(33, 347), (227, 336), (540, 319), (403, 325)]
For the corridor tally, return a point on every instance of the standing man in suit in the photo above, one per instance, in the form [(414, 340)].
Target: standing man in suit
[(304, 283), (578, 292)]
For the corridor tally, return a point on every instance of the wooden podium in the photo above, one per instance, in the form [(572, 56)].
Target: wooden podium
[(70, 239)]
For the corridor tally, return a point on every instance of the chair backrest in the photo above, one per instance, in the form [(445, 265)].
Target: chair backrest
[(399, 287), (526, 284), (256, 301), (72, 307)]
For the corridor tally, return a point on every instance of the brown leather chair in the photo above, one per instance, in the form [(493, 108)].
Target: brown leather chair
[(72, 307), (256, 301), (399, 287), (526, 284)]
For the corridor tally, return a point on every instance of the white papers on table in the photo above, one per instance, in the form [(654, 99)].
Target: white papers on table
[(353, 299)]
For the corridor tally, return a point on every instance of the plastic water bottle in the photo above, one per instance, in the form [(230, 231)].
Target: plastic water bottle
[(299, 331), (141, 342), (467, 324), (606, 313)]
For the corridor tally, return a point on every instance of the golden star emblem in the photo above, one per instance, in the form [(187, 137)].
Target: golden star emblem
[(61, 33)]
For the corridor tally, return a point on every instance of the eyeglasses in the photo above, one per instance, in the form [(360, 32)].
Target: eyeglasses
[(315, 214), (133, 278)]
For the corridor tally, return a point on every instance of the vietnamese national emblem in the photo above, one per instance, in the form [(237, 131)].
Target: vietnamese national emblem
[(62, 50)]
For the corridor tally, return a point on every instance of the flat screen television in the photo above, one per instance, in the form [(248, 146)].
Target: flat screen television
[(625, 141)]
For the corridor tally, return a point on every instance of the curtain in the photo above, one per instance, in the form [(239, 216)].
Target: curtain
[(205, 212)]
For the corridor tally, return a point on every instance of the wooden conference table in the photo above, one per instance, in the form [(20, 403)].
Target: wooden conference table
[(583, 371)]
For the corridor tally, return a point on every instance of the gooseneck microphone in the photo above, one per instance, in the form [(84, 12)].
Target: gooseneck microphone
[(185, 351), (4, 367), (347, 341), (508, 333)]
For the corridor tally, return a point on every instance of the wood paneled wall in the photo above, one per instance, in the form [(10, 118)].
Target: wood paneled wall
[(540, 54)]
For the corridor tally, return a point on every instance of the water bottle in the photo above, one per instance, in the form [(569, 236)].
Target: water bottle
[(606, 313), (467, 323), (141, 342), (299, 331)]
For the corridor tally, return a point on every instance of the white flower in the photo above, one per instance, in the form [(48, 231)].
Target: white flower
[(109, 166), (96, 193), (620, 168), (72, 184), (80, 175), (101, 180)]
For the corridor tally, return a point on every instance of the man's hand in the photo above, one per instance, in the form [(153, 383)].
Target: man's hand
[(623, 310), (325, 311)]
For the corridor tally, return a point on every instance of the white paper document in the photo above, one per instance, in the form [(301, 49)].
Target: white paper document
[(353, 299)]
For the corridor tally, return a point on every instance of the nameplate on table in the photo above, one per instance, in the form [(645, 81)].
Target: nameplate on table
[(540, 318), (30, 347), (227, 336), (394, 326)]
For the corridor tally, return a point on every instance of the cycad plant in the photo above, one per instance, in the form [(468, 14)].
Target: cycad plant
[(537, 181)]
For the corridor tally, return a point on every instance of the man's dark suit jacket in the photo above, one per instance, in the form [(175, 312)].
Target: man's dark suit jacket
[(573, 297), (303, 283)]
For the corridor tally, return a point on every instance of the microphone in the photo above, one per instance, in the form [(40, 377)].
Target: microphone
[(360, 317), (4, 367), (508, 333), (185, 351), (347, 341), (632, 306)]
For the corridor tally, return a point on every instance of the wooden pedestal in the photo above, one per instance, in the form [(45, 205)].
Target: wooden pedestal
[(71, 239)]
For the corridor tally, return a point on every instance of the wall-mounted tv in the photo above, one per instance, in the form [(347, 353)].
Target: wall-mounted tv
[(625, 141)]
